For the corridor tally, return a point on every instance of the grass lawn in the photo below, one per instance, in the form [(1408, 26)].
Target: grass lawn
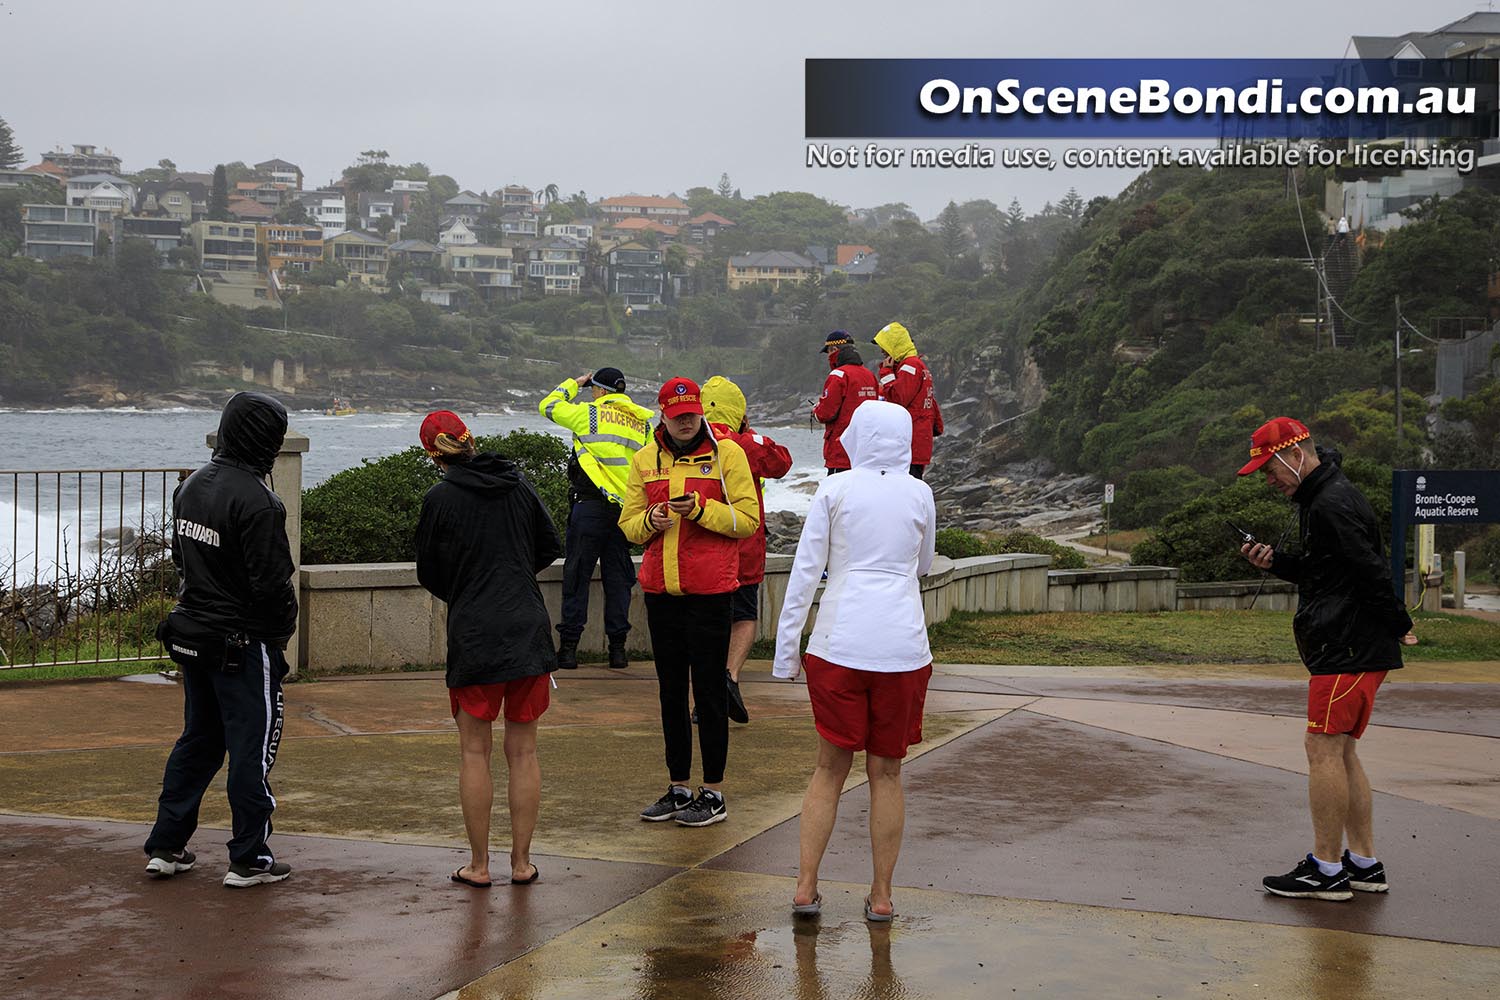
[(1173, 637), (72, 671)]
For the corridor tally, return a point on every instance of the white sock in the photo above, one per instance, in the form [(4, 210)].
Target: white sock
[(684, 789), (710, 791), (1328, 867), (1361, 860)]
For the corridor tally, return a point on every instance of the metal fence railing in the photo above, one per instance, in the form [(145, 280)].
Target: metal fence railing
[(85, 564)]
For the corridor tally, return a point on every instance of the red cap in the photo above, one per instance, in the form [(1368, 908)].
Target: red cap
[(443, 422), (1269, 438), (679, 396)]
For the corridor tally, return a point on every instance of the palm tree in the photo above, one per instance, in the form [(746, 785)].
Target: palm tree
[(550, 192)]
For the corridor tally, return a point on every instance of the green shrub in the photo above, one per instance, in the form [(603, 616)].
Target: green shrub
[(955, 543), (1148, 495), (1482, 554), (1063, 556), (1195, 538), (369, 513)]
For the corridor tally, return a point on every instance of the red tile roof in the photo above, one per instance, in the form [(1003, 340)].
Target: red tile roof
[(848, 251), (710, 217)]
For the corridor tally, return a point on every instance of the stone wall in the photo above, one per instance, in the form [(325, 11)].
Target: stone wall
[(1236, 595), (1127, 588), (376, 616)]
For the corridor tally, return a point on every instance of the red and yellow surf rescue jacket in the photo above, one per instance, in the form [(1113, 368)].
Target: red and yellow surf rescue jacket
[(699, 553)]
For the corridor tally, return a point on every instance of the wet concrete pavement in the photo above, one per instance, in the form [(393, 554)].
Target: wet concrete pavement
[(1078, 832)]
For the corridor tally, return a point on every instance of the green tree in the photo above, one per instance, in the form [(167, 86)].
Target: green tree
[(1071, 205), (951, 233), (218, 197), (726, 188), (10, 153)]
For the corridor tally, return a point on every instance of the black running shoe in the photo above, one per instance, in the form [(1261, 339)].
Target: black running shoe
[(669, 806), (1307, 881), (706, 810), (736, 707), (244, 876), (1371, 879), (165, 864)]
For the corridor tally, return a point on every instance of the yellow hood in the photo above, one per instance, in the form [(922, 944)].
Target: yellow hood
[(723, 402), (895, 341)]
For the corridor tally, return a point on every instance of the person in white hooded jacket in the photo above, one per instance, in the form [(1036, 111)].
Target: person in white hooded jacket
[(868, 662)]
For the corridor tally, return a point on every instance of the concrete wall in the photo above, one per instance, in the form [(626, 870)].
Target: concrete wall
[(1128, 588), (377, 616), (1236, 595)]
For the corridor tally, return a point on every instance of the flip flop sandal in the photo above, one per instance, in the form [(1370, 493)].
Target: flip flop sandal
[(536, 873), (458, 877), (809, 909), (877, 918)]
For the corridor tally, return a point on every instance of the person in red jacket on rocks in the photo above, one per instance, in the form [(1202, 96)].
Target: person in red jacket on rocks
[(724, 408), (905, 381), (849, 384)]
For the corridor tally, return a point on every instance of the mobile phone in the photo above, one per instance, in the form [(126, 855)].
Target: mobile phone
[(685, 496), (1246, 538)]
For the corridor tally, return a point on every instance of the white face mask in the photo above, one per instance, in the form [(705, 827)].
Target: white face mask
[(1298, 470)]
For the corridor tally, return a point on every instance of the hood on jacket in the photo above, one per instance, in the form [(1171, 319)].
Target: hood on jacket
[(878, 437), (1329, 456), (895, 341), (846, 355), (723, 402), (251, 431), (485, 473)]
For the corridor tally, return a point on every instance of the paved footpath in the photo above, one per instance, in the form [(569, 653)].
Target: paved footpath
[(1070, 832)]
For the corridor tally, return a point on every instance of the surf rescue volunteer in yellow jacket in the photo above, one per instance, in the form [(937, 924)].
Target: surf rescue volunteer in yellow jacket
[(689, 498)]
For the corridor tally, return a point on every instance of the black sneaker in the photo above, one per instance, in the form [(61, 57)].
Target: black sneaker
[(567, 654), (706, 810), (244, 876), (165, 864), (1371, 879), (736, 707), (1307, 881), (669, 806)]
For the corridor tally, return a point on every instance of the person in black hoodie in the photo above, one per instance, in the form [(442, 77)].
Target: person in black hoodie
[(236, 609), (1349, 629), (482, 538)]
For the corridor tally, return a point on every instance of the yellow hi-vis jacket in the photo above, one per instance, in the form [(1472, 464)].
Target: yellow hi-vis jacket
[(607, 432)]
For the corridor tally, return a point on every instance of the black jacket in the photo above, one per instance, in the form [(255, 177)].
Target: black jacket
[(482, 538), (1348, 617), (229, 530)]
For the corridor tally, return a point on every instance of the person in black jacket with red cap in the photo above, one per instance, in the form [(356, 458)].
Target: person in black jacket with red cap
[(1349, 629), (236, 610), (482, 538)]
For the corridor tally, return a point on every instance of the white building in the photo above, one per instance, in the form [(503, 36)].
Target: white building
[(456, 233), (326, 209), (102, 192)]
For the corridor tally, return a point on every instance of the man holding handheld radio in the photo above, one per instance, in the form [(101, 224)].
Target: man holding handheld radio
[(1349, 628)]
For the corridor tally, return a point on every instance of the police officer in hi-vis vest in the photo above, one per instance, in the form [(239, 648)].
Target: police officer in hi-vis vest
[(607, 432)]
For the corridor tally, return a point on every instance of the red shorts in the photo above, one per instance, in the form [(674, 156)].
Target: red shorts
[(525, 699), (1340, 704), (865, 710)]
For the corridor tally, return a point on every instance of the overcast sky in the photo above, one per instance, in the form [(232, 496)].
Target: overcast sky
[(602, 96)]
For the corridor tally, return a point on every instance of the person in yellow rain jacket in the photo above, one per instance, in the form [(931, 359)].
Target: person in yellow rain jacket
[(607, 431), (689, 498)]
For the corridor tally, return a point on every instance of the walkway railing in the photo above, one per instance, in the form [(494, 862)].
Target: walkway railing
[(85, 564)]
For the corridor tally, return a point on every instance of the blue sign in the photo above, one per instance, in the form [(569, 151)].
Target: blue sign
[(1439, 496)]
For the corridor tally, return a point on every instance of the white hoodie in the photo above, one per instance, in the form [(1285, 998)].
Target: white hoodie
[(873, 528)]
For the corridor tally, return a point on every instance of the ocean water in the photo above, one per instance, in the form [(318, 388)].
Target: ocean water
[(71, 439)]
